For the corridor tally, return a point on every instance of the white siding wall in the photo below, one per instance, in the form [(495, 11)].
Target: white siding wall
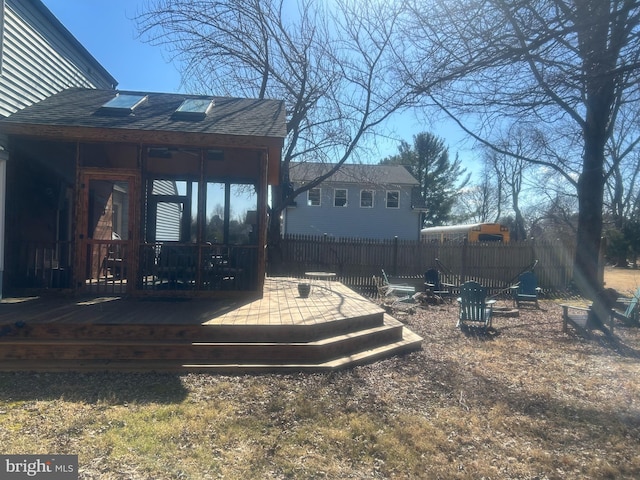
[(38, 61), (168, 215), (378, 222)]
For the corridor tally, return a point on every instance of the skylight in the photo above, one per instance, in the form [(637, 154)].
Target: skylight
[(123, 104), (194, 108)]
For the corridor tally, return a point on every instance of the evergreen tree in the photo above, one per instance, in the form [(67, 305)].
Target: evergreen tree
[(439, 178)]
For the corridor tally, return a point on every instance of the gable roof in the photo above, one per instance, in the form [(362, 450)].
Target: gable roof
[(349, 173), (79, 108)]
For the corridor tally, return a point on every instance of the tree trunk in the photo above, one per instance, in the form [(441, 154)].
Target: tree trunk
[(588, 235), (588, 238), (519, 230), (600, 48)]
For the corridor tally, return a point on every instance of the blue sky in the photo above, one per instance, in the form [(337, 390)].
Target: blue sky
[(107, 30)]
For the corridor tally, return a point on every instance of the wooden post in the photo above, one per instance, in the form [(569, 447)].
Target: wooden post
[(395, 255), (322, 255), (78, 251), (4, 156), (262, 188), (463, 268)]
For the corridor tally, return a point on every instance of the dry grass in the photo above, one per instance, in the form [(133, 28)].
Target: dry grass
[(525, 402), (624, 280)]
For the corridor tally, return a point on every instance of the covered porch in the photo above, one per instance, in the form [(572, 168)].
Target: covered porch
[(129, 193)]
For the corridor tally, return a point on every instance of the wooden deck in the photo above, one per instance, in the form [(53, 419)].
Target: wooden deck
[(333, 328)]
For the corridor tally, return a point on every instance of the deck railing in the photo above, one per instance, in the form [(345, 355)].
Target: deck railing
[(181, 266), (39, 265), (162, 267)]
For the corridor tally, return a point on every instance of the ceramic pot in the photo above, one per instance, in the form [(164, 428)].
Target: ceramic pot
[(304, 289)]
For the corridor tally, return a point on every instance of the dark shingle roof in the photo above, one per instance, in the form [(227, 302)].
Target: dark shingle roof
[(360, 173), (77, 107)]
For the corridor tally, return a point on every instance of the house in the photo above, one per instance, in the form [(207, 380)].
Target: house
[(365, 201), (38, 58), (133, 192), (124, 195)]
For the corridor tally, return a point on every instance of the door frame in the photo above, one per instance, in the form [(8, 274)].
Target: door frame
[(130, 265)]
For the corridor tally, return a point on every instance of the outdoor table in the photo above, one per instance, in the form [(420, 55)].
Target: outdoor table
[(325, 277)]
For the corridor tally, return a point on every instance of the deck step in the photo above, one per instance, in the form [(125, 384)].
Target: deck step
[(199, 332), (319, 351), (410, 342), (278, 332)]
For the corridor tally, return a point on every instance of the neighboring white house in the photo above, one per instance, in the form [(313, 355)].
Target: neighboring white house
[(38, 58), (363, 201)]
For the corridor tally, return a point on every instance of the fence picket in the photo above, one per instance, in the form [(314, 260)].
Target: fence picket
[(356, 261)]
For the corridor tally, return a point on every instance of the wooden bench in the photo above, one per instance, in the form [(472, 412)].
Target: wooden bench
[(580, 321)]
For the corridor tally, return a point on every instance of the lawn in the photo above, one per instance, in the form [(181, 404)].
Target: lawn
[(526, 402)]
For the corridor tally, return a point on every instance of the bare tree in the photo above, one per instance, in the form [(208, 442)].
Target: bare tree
[(480, 202), (512, 171), (332, 64), (564, 67), (440, 178), (556, 219), (622, 198)]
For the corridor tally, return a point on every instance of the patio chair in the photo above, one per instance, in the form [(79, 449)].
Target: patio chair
[(598, 315), (176, 265), (526, 290), (631, 315), (114, 262), (474, 306), (401, 290), (581, 318), (435, 286)]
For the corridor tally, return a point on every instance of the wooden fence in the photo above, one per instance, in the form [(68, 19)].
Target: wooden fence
[(356, 261)]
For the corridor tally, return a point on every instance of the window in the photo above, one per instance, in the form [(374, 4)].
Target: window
[(171, 210), (193, 109), (123, 104), (313, 197), (216, 213), (340, 197), (366, 199), (393, 199), (244, 229)]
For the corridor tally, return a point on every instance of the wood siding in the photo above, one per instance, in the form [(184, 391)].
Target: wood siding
[(352, 220), (39, 59)]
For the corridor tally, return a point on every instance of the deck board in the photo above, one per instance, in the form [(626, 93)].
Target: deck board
[(332, 328), (280, 305)]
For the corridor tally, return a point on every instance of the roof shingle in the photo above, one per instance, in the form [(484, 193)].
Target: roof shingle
[(76, 107), (350, 173)]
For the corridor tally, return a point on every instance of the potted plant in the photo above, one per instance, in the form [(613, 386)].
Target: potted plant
[(304, 289)]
